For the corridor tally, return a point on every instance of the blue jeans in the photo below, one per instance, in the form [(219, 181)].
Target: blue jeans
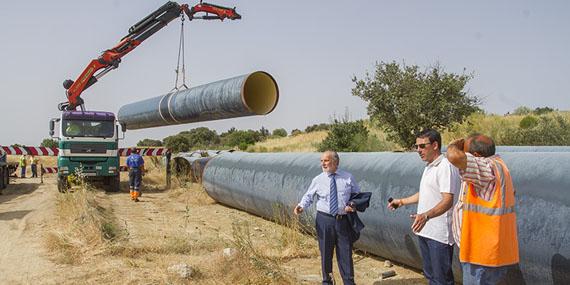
[(135, 178), (437, 258), (474, 274)]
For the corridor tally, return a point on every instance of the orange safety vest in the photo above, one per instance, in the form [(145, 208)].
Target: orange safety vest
[(489, 230)]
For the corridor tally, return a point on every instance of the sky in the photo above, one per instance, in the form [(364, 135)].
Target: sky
[(516, 50)]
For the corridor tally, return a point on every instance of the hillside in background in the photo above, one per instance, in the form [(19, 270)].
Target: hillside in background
[(546, 129)]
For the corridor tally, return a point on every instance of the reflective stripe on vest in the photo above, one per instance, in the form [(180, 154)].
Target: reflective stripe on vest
[(487, 210)]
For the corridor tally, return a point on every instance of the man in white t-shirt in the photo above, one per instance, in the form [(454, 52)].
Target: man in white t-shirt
[(432, 223)]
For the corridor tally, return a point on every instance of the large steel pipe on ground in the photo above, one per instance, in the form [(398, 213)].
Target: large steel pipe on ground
[(260, 183), (246, 95)]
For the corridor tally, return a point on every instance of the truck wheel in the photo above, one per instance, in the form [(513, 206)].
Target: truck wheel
[(62, 185), (114, 183)]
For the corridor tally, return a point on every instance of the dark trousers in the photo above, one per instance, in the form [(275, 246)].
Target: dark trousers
[(437, 258), (34, 170), (135, 178), (333, 234)]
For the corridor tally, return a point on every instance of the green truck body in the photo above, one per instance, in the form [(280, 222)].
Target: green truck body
[(88, 148)]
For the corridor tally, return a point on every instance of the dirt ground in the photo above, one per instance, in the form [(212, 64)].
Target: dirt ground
[(166, 228)]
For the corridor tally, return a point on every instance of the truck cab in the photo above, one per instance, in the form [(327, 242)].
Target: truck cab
[(88, 148)]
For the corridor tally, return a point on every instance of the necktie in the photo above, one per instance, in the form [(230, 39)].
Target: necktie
[(333, 206)]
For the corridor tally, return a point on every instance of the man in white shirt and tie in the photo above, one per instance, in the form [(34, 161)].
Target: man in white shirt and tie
[(332, 189)]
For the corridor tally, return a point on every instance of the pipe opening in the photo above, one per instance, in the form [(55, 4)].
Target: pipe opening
[(260, 93)]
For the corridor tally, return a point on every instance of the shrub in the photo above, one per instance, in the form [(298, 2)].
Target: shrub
[(317, 127), (345, 136), (177, 143), (295, 132), (522, 110), (49, 143), (242, 138), (149, 142), (279, 132), (549, 130), (528, 122)]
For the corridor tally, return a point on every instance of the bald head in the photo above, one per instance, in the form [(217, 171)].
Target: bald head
[(480, 145)]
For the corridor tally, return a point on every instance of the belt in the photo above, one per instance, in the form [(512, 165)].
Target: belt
[(338, 217)]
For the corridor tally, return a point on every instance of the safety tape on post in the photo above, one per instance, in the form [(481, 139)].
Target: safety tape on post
[(49, 169)]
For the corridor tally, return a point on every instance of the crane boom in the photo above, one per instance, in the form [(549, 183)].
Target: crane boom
[(138, 33)]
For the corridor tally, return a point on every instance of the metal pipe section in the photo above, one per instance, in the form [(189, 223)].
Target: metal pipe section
[(260, 183), (246, 95), (525, 148)]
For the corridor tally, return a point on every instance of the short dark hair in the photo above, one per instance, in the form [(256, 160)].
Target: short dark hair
[(481, 144), (432, 135)]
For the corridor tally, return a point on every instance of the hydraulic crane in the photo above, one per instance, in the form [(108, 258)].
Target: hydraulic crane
[(141, 31)]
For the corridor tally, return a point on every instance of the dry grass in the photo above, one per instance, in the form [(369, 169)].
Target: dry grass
[(491, 125), (306, 142), (82, 227), (250, 264)]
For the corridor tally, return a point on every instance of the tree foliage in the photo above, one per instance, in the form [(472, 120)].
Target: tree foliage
[(542, 110), (317, 127), (548, 130), (281, 132), (201, 137), (196, 138), (177, 143), (522, 110), (242, 139), (295, 132), (48, 142), (345, 136), (149, 142), (404, 100)]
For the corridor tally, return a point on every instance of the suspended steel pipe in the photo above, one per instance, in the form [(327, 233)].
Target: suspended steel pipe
[(246, 95), (257, 183)]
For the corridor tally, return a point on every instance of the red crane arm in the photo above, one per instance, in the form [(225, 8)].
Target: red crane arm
[(142, 30)]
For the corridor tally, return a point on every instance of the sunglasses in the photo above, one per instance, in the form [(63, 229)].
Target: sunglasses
[(421, 146)]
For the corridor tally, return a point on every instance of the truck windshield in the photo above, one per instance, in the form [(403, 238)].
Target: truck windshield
[(81, 128)]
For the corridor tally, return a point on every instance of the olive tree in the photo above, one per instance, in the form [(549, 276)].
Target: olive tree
[(403, 100)]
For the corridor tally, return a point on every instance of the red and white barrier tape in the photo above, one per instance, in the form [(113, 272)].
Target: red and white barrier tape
[(158, 151), (30, 150), (49, 169), (53, 151)]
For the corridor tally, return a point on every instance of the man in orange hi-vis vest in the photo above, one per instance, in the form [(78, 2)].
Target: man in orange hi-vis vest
[(484, 219)]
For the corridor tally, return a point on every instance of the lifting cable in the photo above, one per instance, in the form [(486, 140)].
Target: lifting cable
[(180, 61)]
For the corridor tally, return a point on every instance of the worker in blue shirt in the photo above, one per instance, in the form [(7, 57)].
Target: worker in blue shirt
[(135, 162), (332, 189)]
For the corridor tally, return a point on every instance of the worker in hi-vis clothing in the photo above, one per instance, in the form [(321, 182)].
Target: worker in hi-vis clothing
[(135, 162), (22, 163)]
